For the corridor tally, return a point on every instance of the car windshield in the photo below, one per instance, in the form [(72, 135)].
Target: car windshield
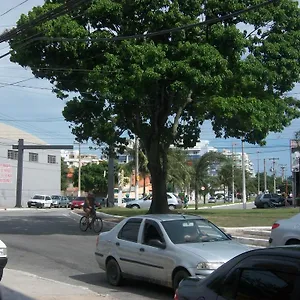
[(193, 231), (38, 197), (55, 197), (79, 199)]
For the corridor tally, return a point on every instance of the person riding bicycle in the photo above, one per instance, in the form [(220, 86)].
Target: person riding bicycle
[(89, 206)]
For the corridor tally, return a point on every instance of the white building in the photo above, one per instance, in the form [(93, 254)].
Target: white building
[(237, 157), (200, 149), (71, 158), (41, 168)]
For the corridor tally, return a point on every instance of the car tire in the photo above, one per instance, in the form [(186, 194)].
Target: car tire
[(113, 273), (171, 207), (181, 274), (72, 208), (1, 273), (135, 206), (266, 205), (293, 242), (29, 205)]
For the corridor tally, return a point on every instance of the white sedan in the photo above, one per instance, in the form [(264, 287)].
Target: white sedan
[(164, 249), (3, 257), (286, 232)]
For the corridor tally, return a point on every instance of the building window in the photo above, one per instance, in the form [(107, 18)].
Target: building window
[(51, 159), (33, 157), (12, 154)]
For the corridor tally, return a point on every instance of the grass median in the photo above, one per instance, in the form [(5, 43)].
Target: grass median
[(223, 217)]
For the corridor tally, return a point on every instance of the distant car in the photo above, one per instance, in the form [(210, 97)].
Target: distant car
[(98, 202), (286, 232), (3, 258), (267, 200), (70, 199), (261, 274), (40, 201), (212, 200), (78, 202), (174, 202), (164, 249), (56, 199)]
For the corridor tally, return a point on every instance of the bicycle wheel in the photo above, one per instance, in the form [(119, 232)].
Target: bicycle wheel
[(97, 224), (84, 223)]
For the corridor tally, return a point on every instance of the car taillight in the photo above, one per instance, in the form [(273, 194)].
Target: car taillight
[(176, 295), (275, 225)]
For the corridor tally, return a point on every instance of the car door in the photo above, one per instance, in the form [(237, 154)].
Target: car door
[(261, 277), (48, 201), (157, 260), (128, 248), (145, 203)]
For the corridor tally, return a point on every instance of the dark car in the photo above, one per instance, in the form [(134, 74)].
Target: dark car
[(267, 200), (78, 202), (268, 274)]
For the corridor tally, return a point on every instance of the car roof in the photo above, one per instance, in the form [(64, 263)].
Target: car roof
[(169, 217), (288, 251)]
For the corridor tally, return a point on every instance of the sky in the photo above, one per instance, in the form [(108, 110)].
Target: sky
[(35, 109)]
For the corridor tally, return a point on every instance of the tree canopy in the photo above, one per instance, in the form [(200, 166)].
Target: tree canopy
[(163, 87)]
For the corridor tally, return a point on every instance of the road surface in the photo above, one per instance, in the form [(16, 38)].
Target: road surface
[(48, 243)]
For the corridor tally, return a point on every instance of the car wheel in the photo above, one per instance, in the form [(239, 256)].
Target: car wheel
[(181, 274), (1, 274), (113, 273), (29, 205), (171, 207), (266, 205), (135, 206), (293, 242), (72, 208)]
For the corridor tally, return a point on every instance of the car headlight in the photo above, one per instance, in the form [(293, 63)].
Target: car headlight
[(3, 251), (209, 265)]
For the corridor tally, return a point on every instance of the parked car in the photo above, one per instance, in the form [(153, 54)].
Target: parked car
[(267, 200), (3, 258), (164, 249), (40, 201), (261, 274), (56, 199), (212, 200), (78, 202), (286, 232), (99, 202), (70, 199), (174, 202)]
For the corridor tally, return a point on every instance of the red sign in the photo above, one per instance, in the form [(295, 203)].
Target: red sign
[(5, 173)]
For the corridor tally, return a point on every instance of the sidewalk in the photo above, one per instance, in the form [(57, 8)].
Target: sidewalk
[(40, 288)]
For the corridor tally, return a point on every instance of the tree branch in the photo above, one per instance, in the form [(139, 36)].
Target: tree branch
[(179, 113)]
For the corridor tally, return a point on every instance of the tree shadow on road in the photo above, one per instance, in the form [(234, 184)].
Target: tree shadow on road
[(131, 286)]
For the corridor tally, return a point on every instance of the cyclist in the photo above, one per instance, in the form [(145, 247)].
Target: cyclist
[(89, 206)]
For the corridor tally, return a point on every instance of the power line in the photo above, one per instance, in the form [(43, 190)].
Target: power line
[(14, 7), (151, 34)]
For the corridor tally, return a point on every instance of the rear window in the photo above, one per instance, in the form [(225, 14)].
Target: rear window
[(79, 199), (38, 197)]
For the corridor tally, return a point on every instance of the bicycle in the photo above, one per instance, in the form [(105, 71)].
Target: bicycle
[(96, 223)]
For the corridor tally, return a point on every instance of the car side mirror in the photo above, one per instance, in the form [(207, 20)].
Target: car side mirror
[(157, 243)]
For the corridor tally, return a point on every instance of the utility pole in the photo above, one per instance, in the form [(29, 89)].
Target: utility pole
[(233, 166), (21, 147), (244, 177), (274, 172), (265, 176), (79, 171), (258, 175), (110, 177), (136, 168)]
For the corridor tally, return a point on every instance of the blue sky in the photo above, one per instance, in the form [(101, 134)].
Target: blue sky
[(36, 110)]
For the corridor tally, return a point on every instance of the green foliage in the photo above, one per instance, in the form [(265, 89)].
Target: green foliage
[(64, 181), (93, 178), (163, 88), (178, 172)]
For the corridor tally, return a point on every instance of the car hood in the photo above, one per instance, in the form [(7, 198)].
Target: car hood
[(221, 251)]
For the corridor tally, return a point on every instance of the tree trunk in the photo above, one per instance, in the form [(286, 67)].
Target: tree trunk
[(111, 180), (157, 162), (196, 195)]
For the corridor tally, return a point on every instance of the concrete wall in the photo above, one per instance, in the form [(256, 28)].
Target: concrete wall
[(38, 177)]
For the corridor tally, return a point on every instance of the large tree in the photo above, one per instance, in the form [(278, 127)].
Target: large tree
[(162, 87)]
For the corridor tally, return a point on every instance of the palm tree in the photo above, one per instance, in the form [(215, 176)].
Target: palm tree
[(201, 171), (179, 173)]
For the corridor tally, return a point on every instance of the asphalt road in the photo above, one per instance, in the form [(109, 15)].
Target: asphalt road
[(48, 243)]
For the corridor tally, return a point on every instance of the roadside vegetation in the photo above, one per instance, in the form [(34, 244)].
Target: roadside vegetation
[(223, 217)]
